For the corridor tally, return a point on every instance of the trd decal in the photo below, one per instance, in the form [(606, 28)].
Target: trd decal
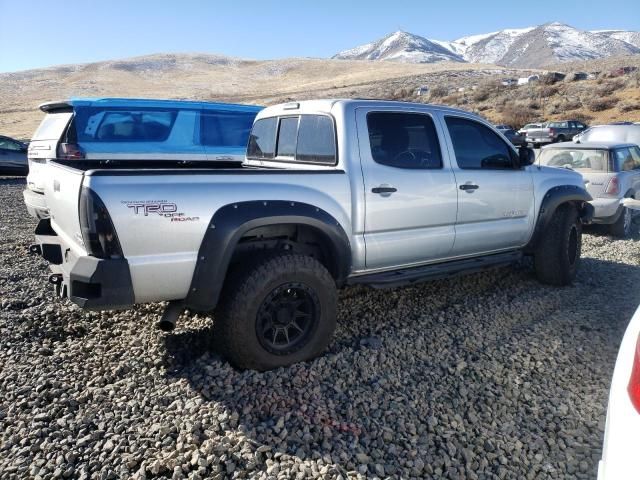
[(162, 208)]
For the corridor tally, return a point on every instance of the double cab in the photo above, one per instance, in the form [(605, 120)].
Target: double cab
[(331, 193)]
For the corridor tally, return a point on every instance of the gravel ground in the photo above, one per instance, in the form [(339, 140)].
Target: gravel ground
[(486, 376)]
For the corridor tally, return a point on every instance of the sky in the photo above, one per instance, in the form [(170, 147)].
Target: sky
[(41, 33)]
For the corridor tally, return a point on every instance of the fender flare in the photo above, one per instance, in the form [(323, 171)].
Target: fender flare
[(555, 197), (229, 223)]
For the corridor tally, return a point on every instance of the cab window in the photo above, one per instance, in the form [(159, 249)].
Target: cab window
[(476, 146), (404, 140)]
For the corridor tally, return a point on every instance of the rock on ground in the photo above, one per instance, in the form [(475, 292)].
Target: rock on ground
[(487, 376)]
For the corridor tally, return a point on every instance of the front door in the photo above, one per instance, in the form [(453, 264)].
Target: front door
[(410, 191), (495, 197)]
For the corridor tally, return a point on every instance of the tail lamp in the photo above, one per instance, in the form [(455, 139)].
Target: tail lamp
[(98, 233)]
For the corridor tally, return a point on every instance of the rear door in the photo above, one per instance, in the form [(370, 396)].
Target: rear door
[(410, 192), (495, 199), (224, 134)]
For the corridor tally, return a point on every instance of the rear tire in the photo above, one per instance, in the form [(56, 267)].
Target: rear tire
[(622, 227), (557, 258), (560, 138), (275, 312)]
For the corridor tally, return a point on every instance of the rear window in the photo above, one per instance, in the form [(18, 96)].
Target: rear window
[(316, 140), (94, 124), (287, 137), (303, 138), (225, 129), (262, 141), (52, 126), (582, 160)]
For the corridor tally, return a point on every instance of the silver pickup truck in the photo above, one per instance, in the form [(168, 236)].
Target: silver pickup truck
[(332, 192)]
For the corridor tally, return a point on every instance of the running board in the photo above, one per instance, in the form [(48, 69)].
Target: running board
[(408, 276)]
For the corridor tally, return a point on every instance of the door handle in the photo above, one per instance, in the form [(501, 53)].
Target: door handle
[(469, 187), (383, 190)]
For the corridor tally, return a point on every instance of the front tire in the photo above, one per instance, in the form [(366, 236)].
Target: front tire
[(557, 258), (278, 311), (622, 227)]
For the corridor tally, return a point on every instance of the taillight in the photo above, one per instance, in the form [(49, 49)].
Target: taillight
[(98, 233), (70, 151), (634, 381), (613, 188), (552, 132)]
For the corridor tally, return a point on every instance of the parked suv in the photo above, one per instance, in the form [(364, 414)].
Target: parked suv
[(333, 192), (554, 132), (125, 131)]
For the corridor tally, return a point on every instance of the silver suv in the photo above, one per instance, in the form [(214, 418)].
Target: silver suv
[(611, 172)]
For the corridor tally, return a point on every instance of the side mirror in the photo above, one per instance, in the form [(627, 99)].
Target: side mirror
[(526, 156)]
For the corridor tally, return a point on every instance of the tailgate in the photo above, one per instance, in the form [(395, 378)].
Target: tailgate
[(62, 193), (538, 133)]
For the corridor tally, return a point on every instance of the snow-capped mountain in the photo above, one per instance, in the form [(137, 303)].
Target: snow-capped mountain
[(525, 47), (402, 47)]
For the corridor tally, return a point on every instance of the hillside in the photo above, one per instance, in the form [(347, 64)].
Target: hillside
[(203, 77), (208, 77)]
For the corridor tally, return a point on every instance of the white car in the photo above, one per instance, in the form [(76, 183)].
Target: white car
[(620, 450)]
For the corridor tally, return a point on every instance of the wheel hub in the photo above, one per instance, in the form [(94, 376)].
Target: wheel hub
[(287, 318)]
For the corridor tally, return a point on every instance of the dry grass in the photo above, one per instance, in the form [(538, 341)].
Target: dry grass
[(216, 78)]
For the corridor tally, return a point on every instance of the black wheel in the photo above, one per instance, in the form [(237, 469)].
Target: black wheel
[(560, 138), (557, 257), (622, 227), (275, 312)]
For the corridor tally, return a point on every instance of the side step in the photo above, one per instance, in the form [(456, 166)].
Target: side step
[(408, 276)]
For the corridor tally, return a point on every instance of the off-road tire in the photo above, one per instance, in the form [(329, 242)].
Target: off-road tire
[(246, 290), (557, 258), (621, 228)]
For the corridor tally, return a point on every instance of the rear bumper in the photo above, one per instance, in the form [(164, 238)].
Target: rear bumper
[(90, 282), (539, 140), (36, 204), (606, 210)]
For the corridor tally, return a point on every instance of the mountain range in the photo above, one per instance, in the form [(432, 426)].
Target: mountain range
[(531, 47)]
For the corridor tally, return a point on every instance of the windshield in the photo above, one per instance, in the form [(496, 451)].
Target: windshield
[(581, 160)]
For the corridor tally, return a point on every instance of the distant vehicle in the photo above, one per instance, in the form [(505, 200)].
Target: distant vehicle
[(611, 172), (611, 133), (530, 126), (126, 130), (529, 79), (509, 82), (503, 127), (555, 132), (514, 137), (620, 448), (13, 157)]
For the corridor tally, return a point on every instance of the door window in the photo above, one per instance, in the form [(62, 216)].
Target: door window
[(624, 160), (404, 140), (477, 146), (635, 154)]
